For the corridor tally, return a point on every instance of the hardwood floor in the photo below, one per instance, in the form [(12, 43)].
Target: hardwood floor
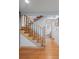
[(51, 51)]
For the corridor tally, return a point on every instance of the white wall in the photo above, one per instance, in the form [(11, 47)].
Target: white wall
[(25, 42)]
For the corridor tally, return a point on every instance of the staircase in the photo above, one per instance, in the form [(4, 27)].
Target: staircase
[(30, 31)]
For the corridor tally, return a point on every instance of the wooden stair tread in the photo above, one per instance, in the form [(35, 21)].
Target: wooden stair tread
[(31, 38)]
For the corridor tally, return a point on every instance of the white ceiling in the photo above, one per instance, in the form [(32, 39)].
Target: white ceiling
[(43, 7)]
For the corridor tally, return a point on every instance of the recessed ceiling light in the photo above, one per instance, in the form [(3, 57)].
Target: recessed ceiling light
[(27, 1)]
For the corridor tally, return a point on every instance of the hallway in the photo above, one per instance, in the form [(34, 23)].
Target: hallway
[(49, 52)]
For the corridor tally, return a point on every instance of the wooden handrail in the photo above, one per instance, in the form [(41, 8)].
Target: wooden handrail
[(32, 20)]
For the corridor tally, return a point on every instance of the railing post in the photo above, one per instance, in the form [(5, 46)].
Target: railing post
[(51, 30), (22, 22), (39, 30), (30, 30), (40, 38), (37, 33), (27, 24), (26, 31), (34, 31), (40, 33), (43, 39)]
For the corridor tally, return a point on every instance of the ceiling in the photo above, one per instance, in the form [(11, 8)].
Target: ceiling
[(36, 7)]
